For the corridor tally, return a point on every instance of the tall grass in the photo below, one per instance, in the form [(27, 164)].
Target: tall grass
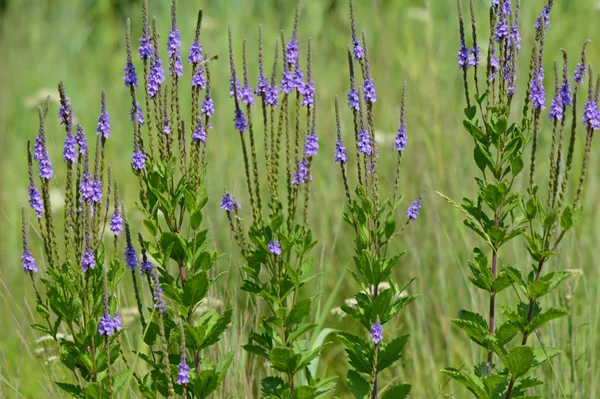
[(82, 43)]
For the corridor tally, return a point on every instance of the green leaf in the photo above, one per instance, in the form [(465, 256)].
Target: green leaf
[(195, 289), (468, 380), (516, 166), (397, 392), (71, 389), (360, 353), (545, 317), (300, 310), (359, 387), (547, 283), (304, 392), (391, 352), (214, 332), (175, 243), (196, 220), (284, 359), (272, 386), (520, 359), (470, 112)]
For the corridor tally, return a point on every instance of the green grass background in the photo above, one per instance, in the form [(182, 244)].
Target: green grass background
[(81, 42)]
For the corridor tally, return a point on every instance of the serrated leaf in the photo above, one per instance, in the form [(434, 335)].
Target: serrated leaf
[(391, 352), (300, 310), (519, 361), (397, 392), (359, 387), (195, 289), (545, 317), (468, 380), (284, 359)]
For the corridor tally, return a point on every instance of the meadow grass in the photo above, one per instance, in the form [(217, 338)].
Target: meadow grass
[(82, 44)]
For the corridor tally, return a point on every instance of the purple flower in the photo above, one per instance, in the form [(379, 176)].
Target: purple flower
[(173, 45), (364, 142), (292, 52), (65, 114), (104, 122), (156, 76), (130, 77), (370, 95), (275, 247), (70, 148), (298, 79), (308, 94), (29, 265), (240, 121), (463, 57), (311, 147), (35, 200), (413, 210), (81, 140), (591, 115), (138, 160), (359, 51), (271, 95), (580, 73), (377, 332), (91, 190), (131, 257), (183, 373), (401, 138), (159, 302), (208, 106), (515, 37), (146, 267), (287, 82), (199, 134), (495, 65), (340, 152), (262, 85), (138, 112), (117, 322), (545, 14), (300, 176), (501, 33), (105, 326), (45, 166), (237, 89), (353, 99), (39, 148), (145, 49), (247, 95), (537, 94), (476, 57), (228, 203), (556, 108), (87, 260), (565, 93), (195, 53), (116, 223), (199, 79)]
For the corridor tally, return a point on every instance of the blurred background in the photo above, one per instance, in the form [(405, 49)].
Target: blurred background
[(81, 42)]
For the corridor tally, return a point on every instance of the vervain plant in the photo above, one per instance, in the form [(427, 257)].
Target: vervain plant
[(499, 212), (276, 248), (374, 222), (77, 296)]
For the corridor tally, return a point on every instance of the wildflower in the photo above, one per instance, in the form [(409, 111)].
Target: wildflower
[(145, 49), (81, 140), (370, 95), (173, 45), (565, 93), (377, 332), (90, 189), (364, 142), (65, 112), (515, 37), (35, 200), (271, 95), (240, 121), (340, 152), (87, 260), (237, 89), (195, 53), (537, 94), (300, 176), (199, 134), (359, 51), (116, 223), (183, 375), (476, 57), (199, 79), (29, 264), (146, 267), (580, 73), (159, 302), (501, 32), (591, 115), (138, 160), (275, 247), (117, 322), (401, 138), (247, 95), (556, 108), (70, 148), (311, 147), (130, 77), (138, 112), (105, 326), (308, 94), (45, 165), (463, 57), (413, 211), (103, 120), (287, 82), (262, 85), (156, 76), (292, 52), (208, 106), (298, 79), (353, 99), (228, 203), (130, 256), (545, 15)]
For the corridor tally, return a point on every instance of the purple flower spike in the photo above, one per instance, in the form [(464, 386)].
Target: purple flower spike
[(228, 203), (401, 138), (138, 160), (359, 51), (272, 95), (463, 57), (565, 93), (138, 112), (87, 260), (292, 52), (199, 79), (70, 148), (156, 76), (238, 87), (287, 82), (159, 302), (556, 109), (413, 211), (208, 107), (131, 257), (183, 373), (130, 77), (45, 171), (195, 53), (475, 57), (370, 95), (545, 14), (537, 93), (247, 95), (105, 326), (364, 142), (501, 33), (104, 122), (311, 147), (591, 115), (35, 200), (145, 49), (340, 152), (308, 94), (377, 332), (275, 247), (116, 322), (240, 121), (146, 267), (262, 85), (199, 134), (580, 73), (81, 140), (173, 45), (116, 223), (353, 99), (298, 79), (29, 265), (300, 176)]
